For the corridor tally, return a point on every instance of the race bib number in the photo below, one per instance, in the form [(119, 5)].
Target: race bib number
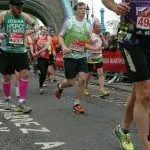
[(143, 23), (16, 38), (93, 57), (40, 46), (77, 46), (143, 18), (42, 54)]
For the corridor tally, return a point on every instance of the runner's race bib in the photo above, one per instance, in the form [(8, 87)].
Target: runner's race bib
[(41, 45), (78, 46), (16, 38), (143, 21), (93, 56), (43, 54)]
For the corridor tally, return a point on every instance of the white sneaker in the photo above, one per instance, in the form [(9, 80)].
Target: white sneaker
[(7, 103), (41, 91), (44, 85), (17, 91)]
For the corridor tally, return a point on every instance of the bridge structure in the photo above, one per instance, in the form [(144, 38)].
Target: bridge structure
[(50, 12)]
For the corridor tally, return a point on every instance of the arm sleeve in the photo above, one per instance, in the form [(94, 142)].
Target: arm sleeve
[(66, 27), (89, 28)]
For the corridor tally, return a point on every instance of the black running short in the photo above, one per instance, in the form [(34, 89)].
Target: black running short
[(9, 62), (137, 59), (74, 66), (96, 65)]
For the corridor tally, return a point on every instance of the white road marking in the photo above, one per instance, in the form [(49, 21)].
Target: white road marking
[(3, 129), (25, 130), (49, 145), (18, 124)]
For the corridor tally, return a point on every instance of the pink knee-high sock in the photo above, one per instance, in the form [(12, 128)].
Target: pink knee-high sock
[(23, 87), (6, 88)]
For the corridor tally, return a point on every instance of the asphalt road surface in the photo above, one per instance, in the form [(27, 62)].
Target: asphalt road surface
[(53, 126)]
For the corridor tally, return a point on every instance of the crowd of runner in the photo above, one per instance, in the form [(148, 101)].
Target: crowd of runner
[(82, 44)]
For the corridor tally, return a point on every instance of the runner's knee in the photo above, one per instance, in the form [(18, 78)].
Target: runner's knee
[(130, 101), (145, 97), (71, 82), (24, 74), (6, 78)]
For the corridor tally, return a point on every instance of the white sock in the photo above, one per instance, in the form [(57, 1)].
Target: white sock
[(17, 88), (60, 86), (77, 102), (9, 97)]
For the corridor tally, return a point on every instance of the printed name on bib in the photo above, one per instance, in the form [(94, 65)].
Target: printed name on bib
[(143, 18), (77, 46), (16, 38)]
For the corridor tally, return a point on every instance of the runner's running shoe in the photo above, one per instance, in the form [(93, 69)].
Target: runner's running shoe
[(59, 91), (7, 103), (86, 92), (41, 91), (22, 107), (103, 93), (78, 109), (124, 139)]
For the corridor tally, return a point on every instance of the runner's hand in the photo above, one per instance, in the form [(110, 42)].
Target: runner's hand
[(65, 49), (3, 35), (33, 54), (1, 42), (98, 48), (122, 9), (37, 53)]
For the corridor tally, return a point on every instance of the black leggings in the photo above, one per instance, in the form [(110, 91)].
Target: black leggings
[(43, 66)]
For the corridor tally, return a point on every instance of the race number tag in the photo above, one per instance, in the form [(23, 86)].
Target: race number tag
[(77, 46), (143, 18), (42, 54), (16, 38), (143, 23)]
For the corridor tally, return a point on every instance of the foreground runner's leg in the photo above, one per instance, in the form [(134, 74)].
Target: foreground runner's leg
[(7, 90), (79, 93), (101, 79), (69, 83), (141, 112), (122, 131), (148, 137), (86, 91), (16, 82), (58, 92), (23, 87)]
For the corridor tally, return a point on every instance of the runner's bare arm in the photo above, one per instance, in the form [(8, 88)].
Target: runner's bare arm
[(104, 41), (30, 45), (119, 9), (65, 29), (31, 31), (31, 49), (2, 35), (1, 18), (47, 45), (61, 41), (29, 20), (110, 4), (94, 48), (34, 41)]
